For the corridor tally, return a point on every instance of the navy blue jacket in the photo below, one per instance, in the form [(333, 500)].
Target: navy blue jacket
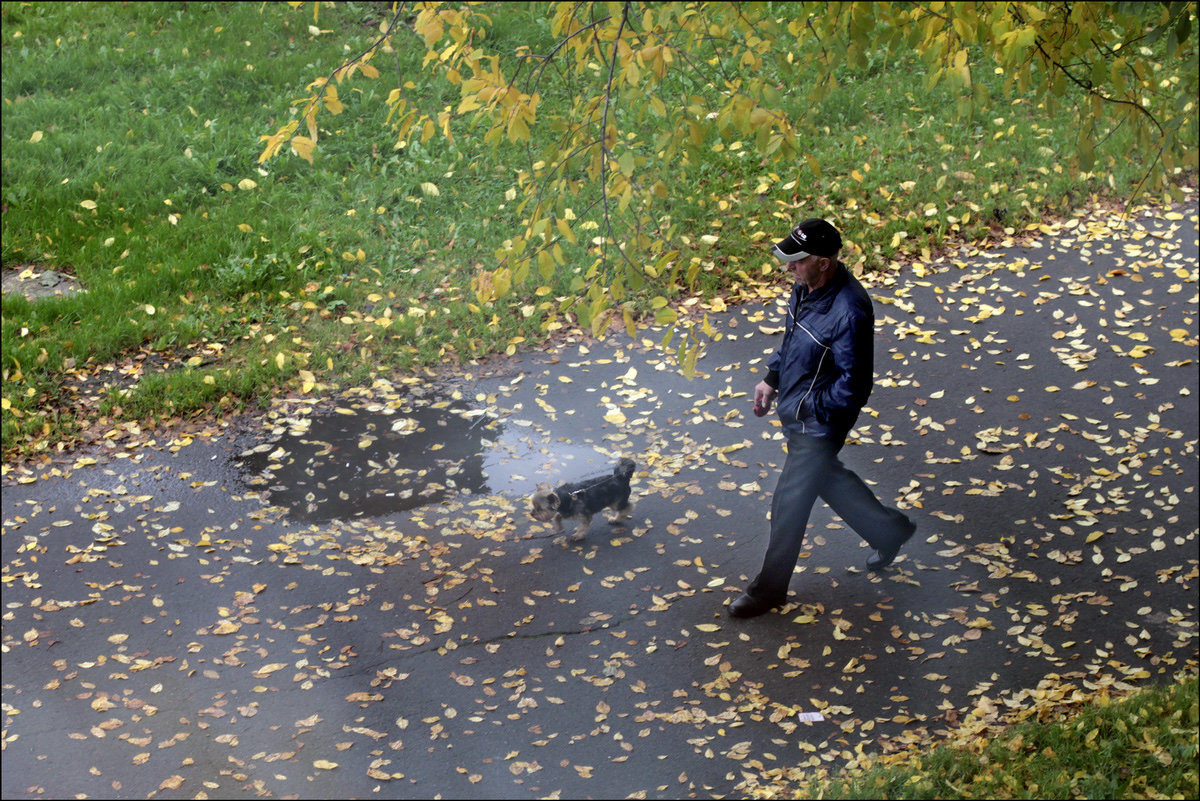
[(824, 368)]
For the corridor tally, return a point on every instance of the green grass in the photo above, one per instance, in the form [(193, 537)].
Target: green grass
[(130, 130), (1143, 745)]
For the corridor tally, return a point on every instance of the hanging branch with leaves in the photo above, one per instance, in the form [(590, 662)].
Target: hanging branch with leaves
[(647, 88)]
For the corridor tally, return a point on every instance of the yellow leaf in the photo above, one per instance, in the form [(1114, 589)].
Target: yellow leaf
[(245, 229), (102, 704), (708, 627), (324, 764), (37, 136), (518, 130), (565, 230), (813, 165), (88, 204), (303, 147), (246, 184), (331, 100), (279, 360), (1095, 535)]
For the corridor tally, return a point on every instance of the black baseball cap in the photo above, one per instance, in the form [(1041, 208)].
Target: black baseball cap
[(813, 237)]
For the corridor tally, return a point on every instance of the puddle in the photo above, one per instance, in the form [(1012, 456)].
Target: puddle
[(377, 462)]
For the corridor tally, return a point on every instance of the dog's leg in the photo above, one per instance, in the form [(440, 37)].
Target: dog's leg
[(621, 511), (581, 528)]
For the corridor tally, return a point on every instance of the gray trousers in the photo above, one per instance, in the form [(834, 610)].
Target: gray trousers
[(812, 470)]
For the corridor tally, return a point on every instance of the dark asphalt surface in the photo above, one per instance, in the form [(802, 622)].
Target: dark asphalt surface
[(398, 627)]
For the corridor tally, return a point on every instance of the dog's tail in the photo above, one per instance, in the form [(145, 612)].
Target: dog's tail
[(625, 467)]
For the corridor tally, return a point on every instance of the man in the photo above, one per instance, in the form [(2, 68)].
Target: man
[(821, 375)]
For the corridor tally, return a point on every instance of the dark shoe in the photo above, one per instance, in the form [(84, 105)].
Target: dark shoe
[(885, 556), (749, 606)]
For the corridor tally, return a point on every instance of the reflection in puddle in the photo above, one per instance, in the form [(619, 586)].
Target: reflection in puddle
[(372, 463)]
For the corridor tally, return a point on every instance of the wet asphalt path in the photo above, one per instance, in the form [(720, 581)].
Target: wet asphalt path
[(347, 599)]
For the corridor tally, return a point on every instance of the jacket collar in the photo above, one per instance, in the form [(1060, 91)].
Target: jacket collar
[(822, 299)]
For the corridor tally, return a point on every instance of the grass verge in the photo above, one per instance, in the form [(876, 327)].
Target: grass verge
[(1080, 745)]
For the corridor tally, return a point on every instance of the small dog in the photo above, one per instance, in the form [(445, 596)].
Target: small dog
[(581, 500)]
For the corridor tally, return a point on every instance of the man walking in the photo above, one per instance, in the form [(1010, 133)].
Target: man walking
[(821, 376)]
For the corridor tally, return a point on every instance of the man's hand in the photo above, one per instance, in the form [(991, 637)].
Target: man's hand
[(764, 396)]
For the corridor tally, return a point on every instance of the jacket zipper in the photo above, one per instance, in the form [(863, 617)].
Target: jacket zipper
[(816, 374)]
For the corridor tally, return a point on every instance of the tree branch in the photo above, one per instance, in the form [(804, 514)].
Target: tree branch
[(604, 151), (348, 62)]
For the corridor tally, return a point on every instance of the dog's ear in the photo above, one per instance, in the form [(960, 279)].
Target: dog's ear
[(552, 500)]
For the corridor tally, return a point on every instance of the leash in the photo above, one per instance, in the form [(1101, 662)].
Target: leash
[(596, 482)]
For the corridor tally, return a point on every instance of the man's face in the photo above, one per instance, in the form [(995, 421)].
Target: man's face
[(809, 271)]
